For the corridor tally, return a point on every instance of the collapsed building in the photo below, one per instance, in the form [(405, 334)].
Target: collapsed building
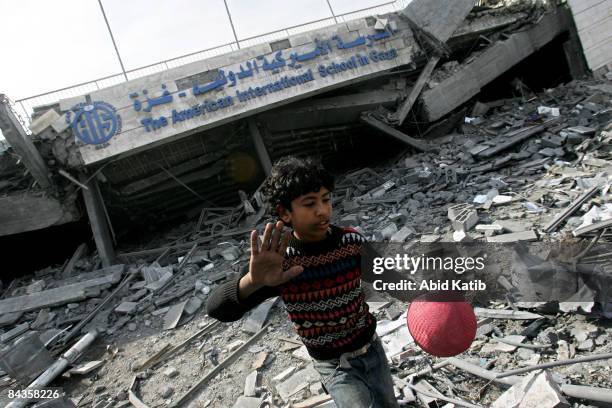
[(481, 102)]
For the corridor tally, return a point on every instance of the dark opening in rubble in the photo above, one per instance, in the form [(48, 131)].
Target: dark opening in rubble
[(544, 69), (32, 251)]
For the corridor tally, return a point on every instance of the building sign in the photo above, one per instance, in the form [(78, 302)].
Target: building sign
[(232, 79), (94, 123)]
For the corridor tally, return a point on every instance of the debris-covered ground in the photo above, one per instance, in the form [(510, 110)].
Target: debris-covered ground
[(533, 168)]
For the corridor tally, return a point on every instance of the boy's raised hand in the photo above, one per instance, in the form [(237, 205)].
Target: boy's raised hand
[(266, 265)]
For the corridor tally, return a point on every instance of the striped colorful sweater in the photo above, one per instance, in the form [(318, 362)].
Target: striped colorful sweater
[(325, 302)]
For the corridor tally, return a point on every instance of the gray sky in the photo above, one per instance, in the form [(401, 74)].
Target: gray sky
[(54, 44)]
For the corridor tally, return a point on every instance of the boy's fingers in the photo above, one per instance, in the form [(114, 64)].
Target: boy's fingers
[(254, 243), (265, 245), (292, 272), (276, 236), (284, 243)]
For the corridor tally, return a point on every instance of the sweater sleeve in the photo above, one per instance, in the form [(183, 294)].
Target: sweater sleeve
[(225, 305)]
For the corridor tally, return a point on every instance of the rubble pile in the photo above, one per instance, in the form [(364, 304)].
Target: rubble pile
[(537, 167)]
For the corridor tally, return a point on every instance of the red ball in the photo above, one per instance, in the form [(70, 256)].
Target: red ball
[(442, 323)]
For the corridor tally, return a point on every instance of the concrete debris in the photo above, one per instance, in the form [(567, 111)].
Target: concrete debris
[(534, 165), (251, 384), (535, 390), (86, 368)]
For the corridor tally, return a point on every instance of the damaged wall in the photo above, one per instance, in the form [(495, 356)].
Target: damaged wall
[(593, 20)]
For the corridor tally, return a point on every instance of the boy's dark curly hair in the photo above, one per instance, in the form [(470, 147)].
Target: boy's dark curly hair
[(292, 177)]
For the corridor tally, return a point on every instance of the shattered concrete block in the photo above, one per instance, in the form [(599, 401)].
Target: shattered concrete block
[(250, 384), (489, 227), (553, 141), (502, 199), (36, 287), (234, 345), (386, 232), (167, 392), (430, 238), (480, 109), (349, 220), (465, 220), (297, 382), (258, 316), (535, 390), (478, 149), (153, 286), (454, 210), (16, 331), (461, 236), (126, 308), (154, 272), (302, 354), (403, 234), (171, 372), (284, 375), (545, 110), (86, 368), (514, 237), (581, 130), (248, 402), (550, 152), (193, 305), (231, 254), (44, 121)]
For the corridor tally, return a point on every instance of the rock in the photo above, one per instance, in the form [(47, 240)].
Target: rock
[(171, 372), (132, 326), (563, 350), (167, 392), (250, 384), (193, 305), (283, 375), (587, 345), (503, 347), (403, 234), (126, 308), (247, 402), (35, 287), (386, 232), (231, 253)]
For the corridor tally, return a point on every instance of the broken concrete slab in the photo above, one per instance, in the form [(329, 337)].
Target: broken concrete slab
[(258, 316), (403, 234), (14, 332), (251, 384), (298, 381), (126, 308), (61, 295), (465, 220), (284, 375), (247, 402), (507, 348), (514, 237), (534, 390), (193, 305), (9, 319), (173, 315)]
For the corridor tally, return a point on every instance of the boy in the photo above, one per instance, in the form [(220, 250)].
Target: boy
[(316, 270)]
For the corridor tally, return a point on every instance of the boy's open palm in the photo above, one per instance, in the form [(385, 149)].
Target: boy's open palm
[(266, 265)]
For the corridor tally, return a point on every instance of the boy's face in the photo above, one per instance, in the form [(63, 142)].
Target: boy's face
[(309, 215)]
